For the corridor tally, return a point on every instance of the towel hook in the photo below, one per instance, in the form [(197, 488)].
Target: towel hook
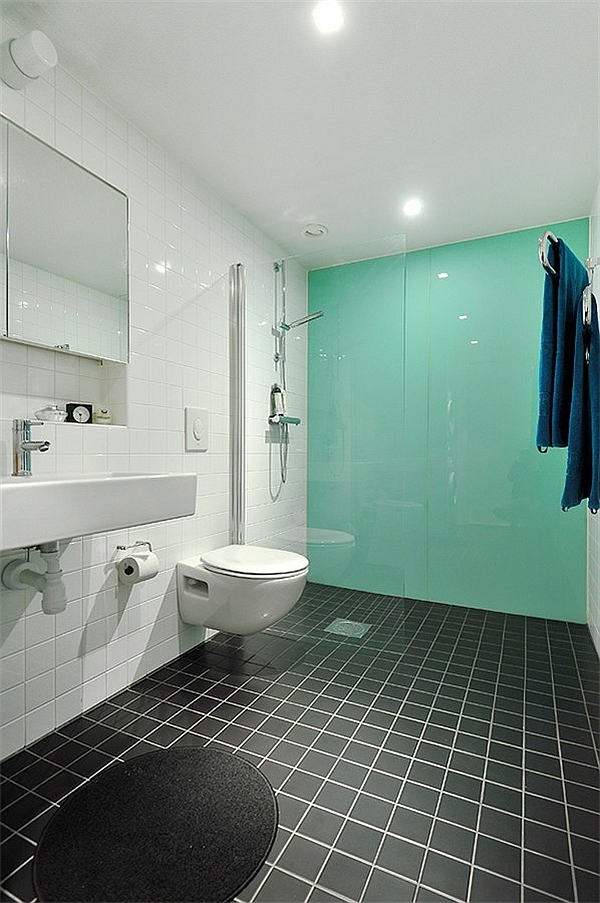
[(587, 305), (546, 236), (588, 299)]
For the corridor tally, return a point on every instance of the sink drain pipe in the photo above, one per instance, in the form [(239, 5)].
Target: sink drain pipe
[(18, 575)]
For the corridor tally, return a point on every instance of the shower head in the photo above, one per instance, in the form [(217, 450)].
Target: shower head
[(302, 320)]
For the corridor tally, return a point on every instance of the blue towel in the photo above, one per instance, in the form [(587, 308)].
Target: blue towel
[(561, 313), (583, 457)]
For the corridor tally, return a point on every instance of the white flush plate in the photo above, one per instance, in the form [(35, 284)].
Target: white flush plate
[(196, 429)]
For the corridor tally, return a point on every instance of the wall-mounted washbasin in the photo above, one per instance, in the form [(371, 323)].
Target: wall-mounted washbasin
[(36, 510)]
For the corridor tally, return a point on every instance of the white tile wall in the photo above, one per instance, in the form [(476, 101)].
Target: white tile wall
[(54, 667), (593, 573)]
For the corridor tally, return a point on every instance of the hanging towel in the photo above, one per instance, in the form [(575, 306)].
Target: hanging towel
[(583, 456), (561, 308)]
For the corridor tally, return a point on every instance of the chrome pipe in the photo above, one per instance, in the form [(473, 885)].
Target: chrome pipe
[(302, 320), (237, 401)]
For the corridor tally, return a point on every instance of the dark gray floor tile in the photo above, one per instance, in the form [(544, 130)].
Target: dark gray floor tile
[(504, 798), (333, 796), (452, 839), (547, 841), (385, 887), (349, 773), (586, 853), (279, 886), (344, 875), (303, 858), (547, 812), (410, 825), (445, 874), (488, 888), (14, 852), (548, 875), (382, 785), (400, 857), (588, 885), (584, 823), (499, 857), (371, 811), (291, 811), (359, 841), (501, 825), (321, 825)]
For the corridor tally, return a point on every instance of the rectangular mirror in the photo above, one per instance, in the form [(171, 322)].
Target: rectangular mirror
[(65, 258)]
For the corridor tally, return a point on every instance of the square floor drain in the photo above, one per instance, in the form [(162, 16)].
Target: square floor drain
[(348, 628)]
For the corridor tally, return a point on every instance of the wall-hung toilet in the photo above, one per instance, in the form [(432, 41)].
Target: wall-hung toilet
[(239, 589)]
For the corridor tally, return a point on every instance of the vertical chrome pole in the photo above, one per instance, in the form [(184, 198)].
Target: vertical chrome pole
[(237, 400)]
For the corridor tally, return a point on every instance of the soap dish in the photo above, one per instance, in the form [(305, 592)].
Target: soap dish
[(51, 414)]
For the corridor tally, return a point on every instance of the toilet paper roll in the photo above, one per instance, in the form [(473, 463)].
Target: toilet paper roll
[(139, 567)]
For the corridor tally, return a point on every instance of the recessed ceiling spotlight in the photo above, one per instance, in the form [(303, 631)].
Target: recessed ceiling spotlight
[(443, 275), (328, 16), (463, 317), (314, 230), (412, 207)]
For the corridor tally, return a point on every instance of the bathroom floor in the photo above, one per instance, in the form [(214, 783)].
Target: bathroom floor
[(440, 754)]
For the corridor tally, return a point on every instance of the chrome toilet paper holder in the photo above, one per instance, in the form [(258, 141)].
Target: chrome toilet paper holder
[(137, 563), (135, 545)]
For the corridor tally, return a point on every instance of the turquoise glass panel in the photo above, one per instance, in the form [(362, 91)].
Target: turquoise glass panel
[(422, 414), (357, 452)]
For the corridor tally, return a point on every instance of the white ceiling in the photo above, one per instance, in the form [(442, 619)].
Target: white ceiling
[(487, 111)]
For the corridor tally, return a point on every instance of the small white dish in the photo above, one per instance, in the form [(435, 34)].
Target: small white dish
[(51, 414)]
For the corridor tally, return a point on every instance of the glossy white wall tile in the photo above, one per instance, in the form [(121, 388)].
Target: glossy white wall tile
[(183, 238)]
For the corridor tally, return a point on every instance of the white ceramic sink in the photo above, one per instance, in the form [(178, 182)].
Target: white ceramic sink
[(47, 508)]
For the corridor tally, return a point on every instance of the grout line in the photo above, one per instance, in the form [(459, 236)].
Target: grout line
[(562, 774), (453, 748), (524, 753)]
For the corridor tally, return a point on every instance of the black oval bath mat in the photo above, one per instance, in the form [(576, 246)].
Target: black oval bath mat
[(176, 824)]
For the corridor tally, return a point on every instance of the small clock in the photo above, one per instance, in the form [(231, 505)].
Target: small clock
[(78, 412)]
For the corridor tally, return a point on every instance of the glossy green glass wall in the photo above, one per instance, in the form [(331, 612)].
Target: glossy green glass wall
[(422, 412)]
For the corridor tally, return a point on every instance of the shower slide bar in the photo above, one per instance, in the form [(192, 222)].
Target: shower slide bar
[(237, 403)]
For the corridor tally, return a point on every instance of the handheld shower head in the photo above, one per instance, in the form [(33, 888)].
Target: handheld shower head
[(302, 320)]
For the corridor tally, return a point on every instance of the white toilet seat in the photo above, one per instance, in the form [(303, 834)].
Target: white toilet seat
[(254, 562)]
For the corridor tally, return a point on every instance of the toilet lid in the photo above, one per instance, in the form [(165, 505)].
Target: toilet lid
[(254, 561)]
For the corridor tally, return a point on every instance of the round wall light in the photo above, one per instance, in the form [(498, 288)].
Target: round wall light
[(24, 59)]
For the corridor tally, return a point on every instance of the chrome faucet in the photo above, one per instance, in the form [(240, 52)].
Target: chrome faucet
[(23, 445)]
